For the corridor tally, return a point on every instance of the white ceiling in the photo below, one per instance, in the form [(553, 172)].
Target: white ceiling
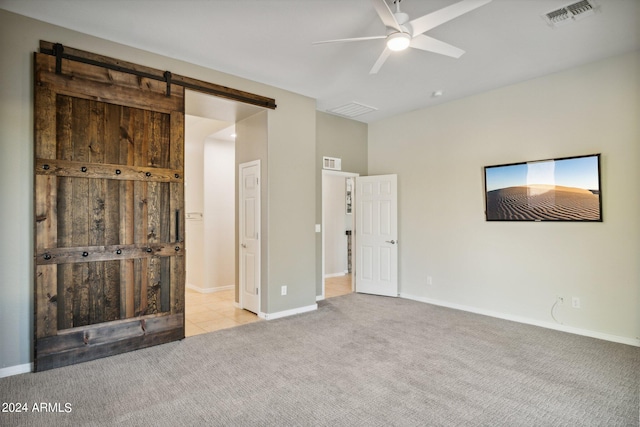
[(270, 41)]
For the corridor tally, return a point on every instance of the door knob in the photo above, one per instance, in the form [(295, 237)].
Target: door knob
[(243, 245), (393, 242)]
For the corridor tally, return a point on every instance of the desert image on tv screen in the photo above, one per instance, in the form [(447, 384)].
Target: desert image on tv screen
[(547, 190)]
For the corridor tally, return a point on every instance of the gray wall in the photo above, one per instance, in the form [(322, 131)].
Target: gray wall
[(516, 269), (345, 139), (291, 135)]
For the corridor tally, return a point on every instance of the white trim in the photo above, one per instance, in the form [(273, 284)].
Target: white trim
[(528, 321), (326, 276), (319, 298), (16, 370), (209, 290), (286, 313)]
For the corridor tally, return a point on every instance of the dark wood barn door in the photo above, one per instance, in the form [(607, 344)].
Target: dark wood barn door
[(109, 197)]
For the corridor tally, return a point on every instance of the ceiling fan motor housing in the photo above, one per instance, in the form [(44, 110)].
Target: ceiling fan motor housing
[(401, 17)]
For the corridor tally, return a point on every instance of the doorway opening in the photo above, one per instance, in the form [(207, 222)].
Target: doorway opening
[(338, 236), (211, 294)]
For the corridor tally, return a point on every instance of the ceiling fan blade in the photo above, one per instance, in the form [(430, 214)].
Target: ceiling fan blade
[(432, 20), (430, 44), (385, 14), (383, 57), (357, 39)]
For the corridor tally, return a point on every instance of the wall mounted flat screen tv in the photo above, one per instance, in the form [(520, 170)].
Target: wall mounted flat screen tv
[(565, 189)]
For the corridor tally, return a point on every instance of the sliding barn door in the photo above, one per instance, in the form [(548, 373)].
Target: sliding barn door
[(109, 200)]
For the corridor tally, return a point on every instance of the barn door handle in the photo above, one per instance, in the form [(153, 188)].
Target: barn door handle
[(393, 242), (177, 225)]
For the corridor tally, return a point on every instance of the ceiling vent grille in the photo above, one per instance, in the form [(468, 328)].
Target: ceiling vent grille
[(570, 13), (332, 163), (352, 109)]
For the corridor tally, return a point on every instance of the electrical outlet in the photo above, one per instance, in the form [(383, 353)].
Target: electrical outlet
[(429, 280), (575, 302), (283, 290)]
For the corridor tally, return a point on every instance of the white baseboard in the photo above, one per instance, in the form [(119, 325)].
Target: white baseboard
[(16, 370), (528, 321), (209, 290), (344, 273), (286, 313)]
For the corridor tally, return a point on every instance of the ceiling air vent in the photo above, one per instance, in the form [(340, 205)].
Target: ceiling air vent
[(332, 163), (352, 109), (570, 13)]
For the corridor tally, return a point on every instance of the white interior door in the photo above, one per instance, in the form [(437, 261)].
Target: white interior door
[(377, 230), (249, 230)]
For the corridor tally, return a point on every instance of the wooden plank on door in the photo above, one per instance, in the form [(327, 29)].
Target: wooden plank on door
[(91, 342), (126, 229), (112, 213), (63, 151), (96, 213), (46, 220), (80, 213), (176, 208)]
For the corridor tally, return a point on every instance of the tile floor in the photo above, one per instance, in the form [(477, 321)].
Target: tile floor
[(336, 286), (214, 311), (211, 312)]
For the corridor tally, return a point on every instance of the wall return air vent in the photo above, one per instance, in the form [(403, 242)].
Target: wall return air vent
[(332, 163), (570, 13)]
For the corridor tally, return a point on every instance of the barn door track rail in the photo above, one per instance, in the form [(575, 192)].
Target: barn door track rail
[(64, 52)]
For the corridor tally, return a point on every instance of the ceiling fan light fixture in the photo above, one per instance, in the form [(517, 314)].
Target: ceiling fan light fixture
[(398, 41)]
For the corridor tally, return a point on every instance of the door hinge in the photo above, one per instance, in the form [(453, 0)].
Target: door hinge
[(256, 291), (257, 181)]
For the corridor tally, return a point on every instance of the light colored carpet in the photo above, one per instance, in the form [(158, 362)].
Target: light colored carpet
[(359, 360)]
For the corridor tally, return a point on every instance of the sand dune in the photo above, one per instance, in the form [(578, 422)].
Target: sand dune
[(543, 202)]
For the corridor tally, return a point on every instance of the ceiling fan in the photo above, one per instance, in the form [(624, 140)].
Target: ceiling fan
[(403, 33)]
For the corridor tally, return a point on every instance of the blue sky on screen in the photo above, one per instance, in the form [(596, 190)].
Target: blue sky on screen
[(581, 172)]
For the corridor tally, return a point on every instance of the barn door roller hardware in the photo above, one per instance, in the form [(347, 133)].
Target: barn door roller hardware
[(58, 52), (58, 49), (167, 77), (61, 52)]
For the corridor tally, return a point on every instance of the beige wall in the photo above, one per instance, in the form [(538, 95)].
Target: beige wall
[(345, 139), (194, 203), (516, 269), (210, 205), (219, 213), (291, 202)]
